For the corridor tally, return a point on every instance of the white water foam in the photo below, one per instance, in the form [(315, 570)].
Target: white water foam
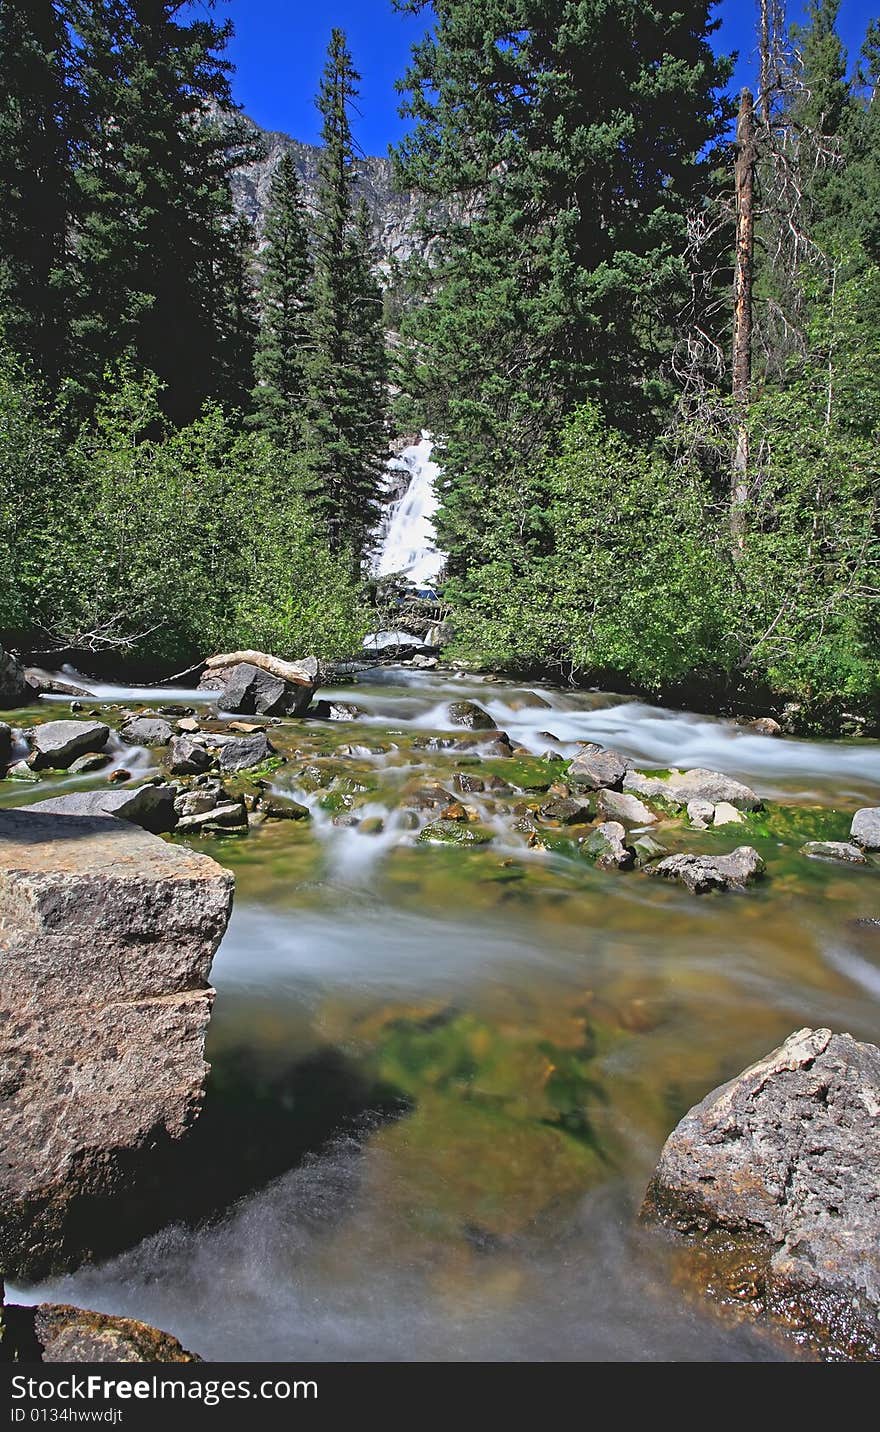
[(408, 544)]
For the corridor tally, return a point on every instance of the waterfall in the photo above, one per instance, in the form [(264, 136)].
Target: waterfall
[(406, 544)]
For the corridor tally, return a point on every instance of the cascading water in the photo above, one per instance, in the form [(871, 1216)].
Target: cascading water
[(407, 541)]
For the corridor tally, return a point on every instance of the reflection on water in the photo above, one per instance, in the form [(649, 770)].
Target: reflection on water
[(539, 1026)]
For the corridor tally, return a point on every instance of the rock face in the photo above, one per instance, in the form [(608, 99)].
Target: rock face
[(681, 787), (788, 1154), (14, 688), (106, 940), (151, 807), (700, 873), (56, 744), (865, 828), (5, 743)]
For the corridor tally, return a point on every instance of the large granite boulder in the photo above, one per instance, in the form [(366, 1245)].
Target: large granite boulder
[(470, 715), (107, 935), (151, 807), (55, 745), (254, 683), (597, 768), (786, 1157), (681, 787), (146, 731)]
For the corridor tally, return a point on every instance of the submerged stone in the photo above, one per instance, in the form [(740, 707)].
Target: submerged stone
[(834, 850), (452, 832)]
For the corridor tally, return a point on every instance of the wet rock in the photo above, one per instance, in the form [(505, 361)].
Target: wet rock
[(189, 756), (606, 847), (700, 813), (646, 850), (14, 687), (787, 1154), (727, 814), (451, 832), (700, 873), (865, 828), (680, 787), (621, 806), (147, 731), (597, 768), (119, 776), (424, 663), (468, 784), (227, 816), (151, 806), (21, 771), (55, 744), (765, 726), (279, 807), (197, 801), (241, 753), (59, 1333), (470, 715), (565, 810), (834, 850), (94, 761), (529, 700), (5, 743), (106, 941), (188, 725)]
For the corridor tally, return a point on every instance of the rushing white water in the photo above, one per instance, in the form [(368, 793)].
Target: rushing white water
[(408, 545)]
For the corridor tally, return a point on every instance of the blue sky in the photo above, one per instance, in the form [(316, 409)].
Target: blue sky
[(279, 50)]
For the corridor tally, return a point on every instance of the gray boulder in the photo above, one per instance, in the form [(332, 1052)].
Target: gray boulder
[(147, 731), (699, 873), (565, 810), (470, 715), (56, 744), (834, 850), (189, 757), (865, 828), (248, 690), (92, 761), (106, 940), (606, 848), (598, 769), (150, 807), (241, 753), (14, 687), (222, 816), (700, 813), (620, 805), (785, 1157), (680, 787)]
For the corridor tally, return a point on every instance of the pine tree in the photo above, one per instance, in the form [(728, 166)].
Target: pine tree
[(36, 133), (566, 141), (281, 361), (346, 370), (155, 232)]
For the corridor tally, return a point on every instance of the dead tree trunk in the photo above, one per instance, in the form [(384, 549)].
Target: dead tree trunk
[(744, 180)]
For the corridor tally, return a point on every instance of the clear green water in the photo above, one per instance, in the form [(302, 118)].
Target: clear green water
[(537, 1026)]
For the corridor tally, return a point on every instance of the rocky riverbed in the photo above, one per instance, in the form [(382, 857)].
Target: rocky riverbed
[(445, 917)]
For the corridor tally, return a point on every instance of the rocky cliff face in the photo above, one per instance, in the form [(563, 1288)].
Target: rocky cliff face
[(394, 214)]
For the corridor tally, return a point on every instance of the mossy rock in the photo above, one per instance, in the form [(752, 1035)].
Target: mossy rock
[(454, 832)]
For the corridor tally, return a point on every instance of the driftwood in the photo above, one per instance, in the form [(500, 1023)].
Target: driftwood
[(293, 671)]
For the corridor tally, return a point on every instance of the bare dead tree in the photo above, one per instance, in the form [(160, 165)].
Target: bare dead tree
[(741, 385)]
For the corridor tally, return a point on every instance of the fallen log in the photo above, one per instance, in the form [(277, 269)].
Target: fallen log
[(300, 673)]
